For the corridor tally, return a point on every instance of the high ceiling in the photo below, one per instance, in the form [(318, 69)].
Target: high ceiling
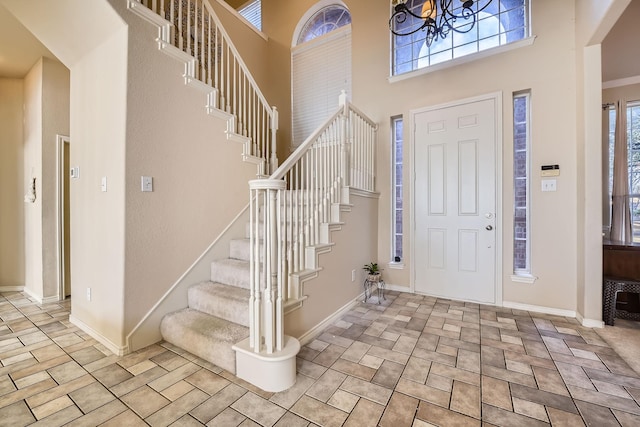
[(19, 49)]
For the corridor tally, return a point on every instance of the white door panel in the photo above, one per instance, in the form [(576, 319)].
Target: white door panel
[(455, 201)]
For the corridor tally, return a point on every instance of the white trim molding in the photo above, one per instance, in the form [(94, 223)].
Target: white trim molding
[(312, 333), (621, 82), (397, 288), (524, 278), (40, 300), (539, 309), (114, 348), (589, 323), (11, 289)]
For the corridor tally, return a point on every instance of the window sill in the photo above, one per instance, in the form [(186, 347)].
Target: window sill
[(463, 59), (396, 266), (524, 278)]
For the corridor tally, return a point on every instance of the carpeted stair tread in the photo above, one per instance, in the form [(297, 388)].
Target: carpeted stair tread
[(216, 299), (229, 271), (208, 337)]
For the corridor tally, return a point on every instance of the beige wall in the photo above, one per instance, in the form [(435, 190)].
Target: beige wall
[(630, 93), (46, 115), (12, 183), (55, 121), (98, 133), (33, 169), (594, 20), (200, 181), (130, 247), (553, 91), (333, 289)]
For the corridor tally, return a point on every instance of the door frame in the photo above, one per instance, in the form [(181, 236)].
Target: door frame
[(498, 111), (61, 175)]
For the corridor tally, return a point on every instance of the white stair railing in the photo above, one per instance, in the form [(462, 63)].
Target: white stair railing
[(197, 31), (291, 213)]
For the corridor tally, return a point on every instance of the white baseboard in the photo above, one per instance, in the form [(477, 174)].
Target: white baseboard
[(589, 323), (307, 337), (114, 348), (397, 288), (539, 309), (39, 299), (11, 289)]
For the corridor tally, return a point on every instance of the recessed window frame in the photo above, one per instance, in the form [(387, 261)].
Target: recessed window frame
[(397, 193), (522, 144), (633, 167)]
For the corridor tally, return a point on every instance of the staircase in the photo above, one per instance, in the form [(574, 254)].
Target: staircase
[(217, 317), (236, 319)]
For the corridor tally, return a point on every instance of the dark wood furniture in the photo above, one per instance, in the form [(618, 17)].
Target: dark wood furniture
[(621, 281)]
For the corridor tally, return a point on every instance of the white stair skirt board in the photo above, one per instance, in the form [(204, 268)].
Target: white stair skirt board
[(271, 372)]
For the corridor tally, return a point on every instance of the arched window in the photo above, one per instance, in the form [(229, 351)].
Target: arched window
[(502, 22), (324, 21), (320, 66)]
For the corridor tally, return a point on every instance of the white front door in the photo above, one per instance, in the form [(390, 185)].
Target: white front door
[(455, 201)]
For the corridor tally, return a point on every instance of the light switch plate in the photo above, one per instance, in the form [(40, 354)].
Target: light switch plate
[(548, 185), (103, 184), (147, 183)]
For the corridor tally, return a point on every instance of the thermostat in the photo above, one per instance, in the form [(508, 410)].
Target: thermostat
[(550, 170)]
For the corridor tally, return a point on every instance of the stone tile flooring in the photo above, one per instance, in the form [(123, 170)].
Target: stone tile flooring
[(412, 361)]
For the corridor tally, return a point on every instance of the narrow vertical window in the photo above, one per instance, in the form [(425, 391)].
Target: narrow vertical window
[(396, 204), (521, 218)]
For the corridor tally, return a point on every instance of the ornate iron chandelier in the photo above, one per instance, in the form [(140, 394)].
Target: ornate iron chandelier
[(437, 18)]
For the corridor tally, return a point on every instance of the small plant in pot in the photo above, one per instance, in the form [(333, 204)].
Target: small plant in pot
[(373, 271)]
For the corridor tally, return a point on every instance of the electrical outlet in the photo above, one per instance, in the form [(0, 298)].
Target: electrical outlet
[(353, 275), (88, 294)]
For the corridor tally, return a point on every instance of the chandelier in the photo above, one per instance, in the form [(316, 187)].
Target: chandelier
[(437, 17)]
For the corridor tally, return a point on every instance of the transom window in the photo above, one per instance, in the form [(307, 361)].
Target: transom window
[(324, 21), (502, 22)]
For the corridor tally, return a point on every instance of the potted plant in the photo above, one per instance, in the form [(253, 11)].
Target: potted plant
[(373, 271)]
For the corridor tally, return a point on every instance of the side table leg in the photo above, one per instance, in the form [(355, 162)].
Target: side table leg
[(608, 303), (381, 286), (365, 285)]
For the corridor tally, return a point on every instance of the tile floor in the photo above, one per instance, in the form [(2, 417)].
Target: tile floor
[(412, 361)]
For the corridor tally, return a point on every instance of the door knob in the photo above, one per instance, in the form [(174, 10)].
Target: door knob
[(489, 227)]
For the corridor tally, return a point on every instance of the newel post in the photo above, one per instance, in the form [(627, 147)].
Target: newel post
[(345, 156), (266, 283)]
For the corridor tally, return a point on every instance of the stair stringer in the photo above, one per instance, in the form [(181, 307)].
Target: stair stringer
[(189, 75), (312, 253)]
